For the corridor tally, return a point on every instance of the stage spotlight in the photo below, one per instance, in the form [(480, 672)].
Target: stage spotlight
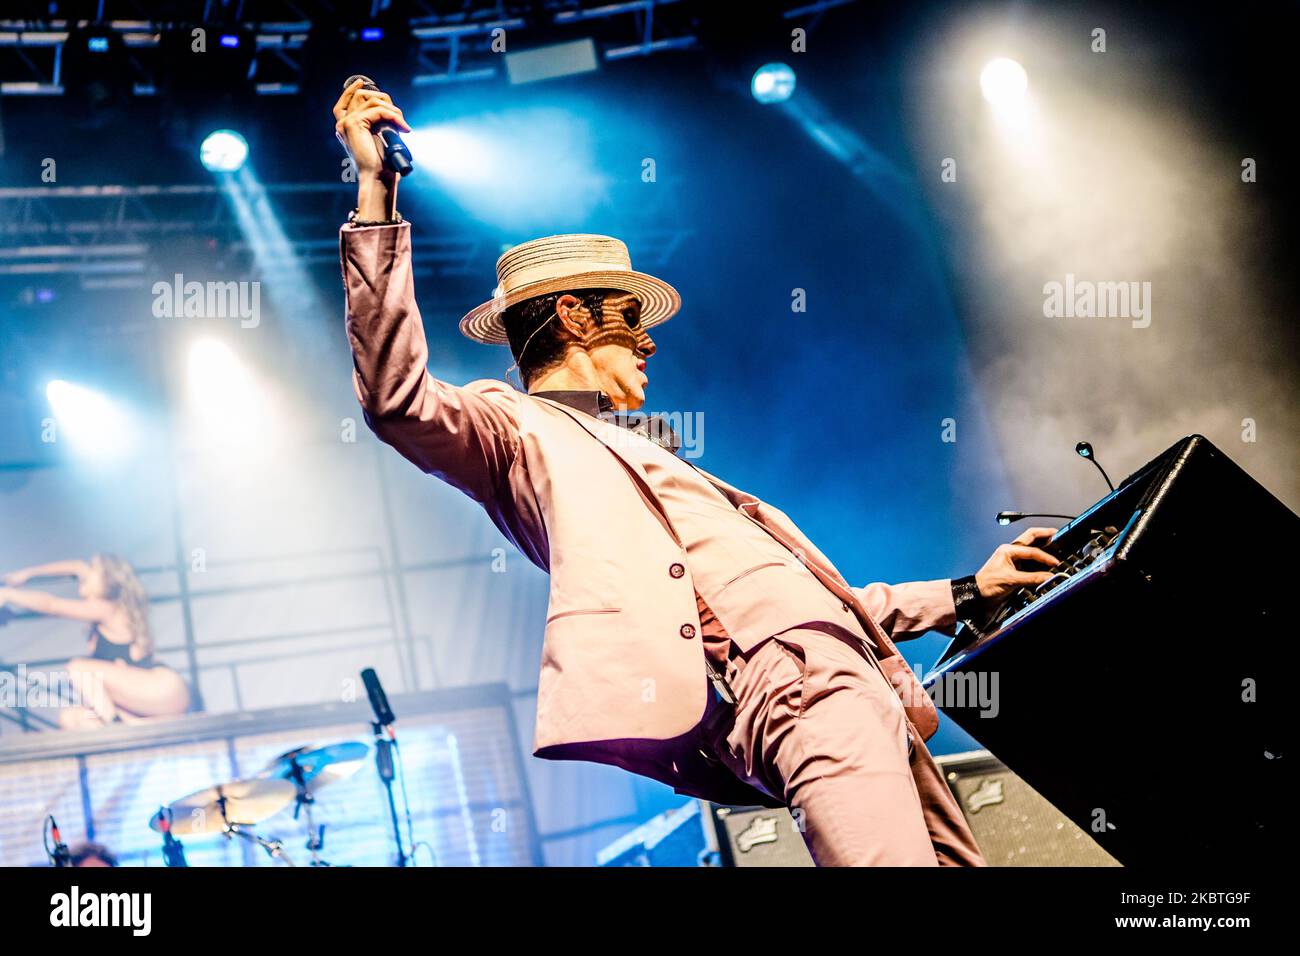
[(90, 423), (1004, 83), (216, 373), (772, 83), (372, 34), (37, 295), (223, 151)]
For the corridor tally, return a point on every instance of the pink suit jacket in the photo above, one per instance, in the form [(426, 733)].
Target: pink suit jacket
[(622, 673)]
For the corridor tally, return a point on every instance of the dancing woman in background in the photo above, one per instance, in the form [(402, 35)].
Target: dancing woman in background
[(119, 678)]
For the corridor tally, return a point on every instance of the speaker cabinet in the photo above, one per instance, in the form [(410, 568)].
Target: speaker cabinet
[(755, 836), (1012, 823)]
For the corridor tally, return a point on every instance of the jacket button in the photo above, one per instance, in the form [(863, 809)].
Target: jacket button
[(687, 631), (676, 570)]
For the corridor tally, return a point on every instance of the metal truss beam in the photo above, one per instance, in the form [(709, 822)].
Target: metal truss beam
[(112, 237), (450, 47)]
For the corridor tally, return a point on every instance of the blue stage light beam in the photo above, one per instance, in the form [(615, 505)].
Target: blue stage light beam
[(281, 272), (457, 155), (290, 287), (881, 176), (517, 169)]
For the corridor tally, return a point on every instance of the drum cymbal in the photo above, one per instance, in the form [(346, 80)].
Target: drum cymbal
[(246, 802), (318, 765)]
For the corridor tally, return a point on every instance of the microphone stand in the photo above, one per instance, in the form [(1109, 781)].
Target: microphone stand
[(384, 764), (274, 848), (173, 849), (305, 801)]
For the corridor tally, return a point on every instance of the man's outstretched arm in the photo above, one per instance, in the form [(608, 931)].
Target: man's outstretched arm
[(909, 610), (466, 436), (905, 611)]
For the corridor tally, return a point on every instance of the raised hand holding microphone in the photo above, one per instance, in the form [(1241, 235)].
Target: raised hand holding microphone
[(397, 158), (358, 116)]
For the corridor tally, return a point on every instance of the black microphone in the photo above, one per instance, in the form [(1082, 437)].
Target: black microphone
[(1006, 517), (1084, 450), (384, 747), (378, 699), (396, 156)]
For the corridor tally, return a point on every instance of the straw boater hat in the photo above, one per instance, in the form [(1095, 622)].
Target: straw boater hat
[(561, 263)]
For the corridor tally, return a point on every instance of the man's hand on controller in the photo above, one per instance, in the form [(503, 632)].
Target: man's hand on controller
[(1000, 575)]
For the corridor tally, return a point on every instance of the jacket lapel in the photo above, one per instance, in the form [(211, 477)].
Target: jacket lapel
[(770, 519), (920, 708), (633, 468), (776, 523)]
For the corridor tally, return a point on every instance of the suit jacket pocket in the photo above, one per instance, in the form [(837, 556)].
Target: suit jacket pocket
[(584, 610), (747, 572)]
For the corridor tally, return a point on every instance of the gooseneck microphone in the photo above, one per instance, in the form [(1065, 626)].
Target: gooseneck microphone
[(1084, 450), (397, 158), (1006, 517)]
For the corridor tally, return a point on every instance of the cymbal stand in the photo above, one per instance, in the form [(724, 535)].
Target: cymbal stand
[(304, 801), (274, 848)]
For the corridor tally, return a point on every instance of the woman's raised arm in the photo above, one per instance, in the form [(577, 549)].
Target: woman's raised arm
[(75, 568), (78, 609)]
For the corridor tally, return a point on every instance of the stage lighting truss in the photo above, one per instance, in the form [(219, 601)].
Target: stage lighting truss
[(227, 62), (108, 237), (450, 47), (33, 55)]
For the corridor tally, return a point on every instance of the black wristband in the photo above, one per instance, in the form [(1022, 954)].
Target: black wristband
[(966, 597)]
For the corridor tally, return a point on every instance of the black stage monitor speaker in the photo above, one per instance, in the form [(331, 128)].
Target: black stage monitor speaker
[(1140, 689)]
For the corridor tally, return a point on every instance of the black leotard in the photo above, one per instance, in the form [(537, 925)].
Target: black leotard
[(106, 650)]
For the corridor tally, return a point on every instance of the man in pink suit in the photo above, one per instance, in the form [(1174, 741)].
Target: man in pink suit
[(694, 635)]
